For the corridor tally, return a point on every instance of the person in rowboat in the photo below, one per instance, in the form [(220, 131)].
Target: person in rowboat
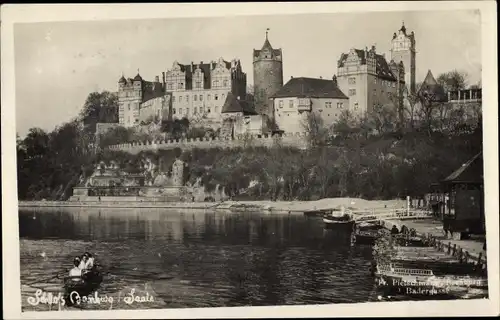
[(89, 261), (76, 271)]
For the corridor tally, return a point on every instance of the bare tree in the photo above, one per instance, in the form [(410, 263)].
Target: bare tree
[(315, 129), (453, 80), (382, 118)]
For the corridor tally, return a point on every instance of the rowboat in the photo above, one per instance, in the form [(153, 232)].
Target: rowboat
[(366, 237), (81, 286)]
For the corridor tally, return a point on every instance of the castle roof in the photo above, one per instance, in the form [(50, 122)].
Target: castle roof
[(267, 46), (311, 88), (138, 77), (151, 90), (382, 67), (430, 87), (233, 104), (122, 79)]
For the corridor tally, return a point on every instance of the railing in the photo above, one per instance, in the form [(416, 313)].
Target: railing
[(380, 214)]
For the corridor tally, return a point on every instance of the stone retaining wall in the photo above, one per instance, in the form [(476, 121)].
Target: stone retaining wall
[(298, 140)]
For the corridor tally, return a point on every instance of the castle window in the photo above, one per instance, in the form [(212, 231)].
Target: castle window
[(208, 111), (187, 98), (201, 97), (173, 110), (198, 84), (352, 80), (216, 83), (209, 97), (375, 80), (225, 83), (180, 110), (352, 92), (173, 98), (290, 104), (281, 103), (356, 105), (328, 104), (195, 98), (216, 97), (180, 98), (128, 104), (170, 86)]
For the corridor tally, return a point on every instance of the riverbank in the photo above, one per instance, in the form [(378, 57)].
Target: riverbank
[(269, 206)]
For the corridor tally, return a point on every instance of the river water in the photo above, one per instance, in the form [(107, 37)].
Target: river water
[(174, 259)]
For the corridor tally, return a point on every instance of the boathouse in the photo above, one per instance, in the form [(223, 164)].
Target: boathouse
[(462, 200)]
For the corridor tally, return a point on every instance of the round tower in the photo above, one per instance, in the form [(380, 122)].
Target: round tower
[(267, 76)]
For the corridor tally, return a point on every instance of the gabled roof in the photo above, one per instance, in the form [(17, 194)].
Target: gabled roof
[(310, 88), (432, 88), (205, 68), (382, 67), (469, 172), (232, 104)]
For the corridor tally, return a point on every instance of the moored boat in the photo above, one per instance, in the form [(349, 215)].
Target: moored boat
[(339, 220), (366, 237)]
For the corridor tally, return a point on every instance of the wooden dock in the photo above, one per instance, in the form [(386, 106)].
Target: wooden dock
[(431, 230)]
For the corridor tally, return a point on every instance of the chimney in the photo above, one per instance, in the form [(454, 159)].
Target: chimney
[(320, 77), (157, 79), (201, 62), (163, 76), (334, 79)]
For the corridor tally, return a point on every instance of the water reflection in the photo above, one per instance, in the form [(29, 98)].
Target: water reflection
[(218, 259)]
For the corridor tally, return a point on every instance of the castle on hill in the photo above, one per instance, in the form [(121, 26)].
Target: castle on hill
[(216, 91)]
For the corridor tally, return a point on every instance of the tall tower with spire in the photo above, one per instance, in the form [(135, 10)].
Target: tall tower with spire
[(267, 76), (403, 49)]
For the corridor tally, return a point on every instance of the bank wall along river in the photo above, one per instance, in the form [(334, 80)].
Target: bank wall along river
[(210, 259)]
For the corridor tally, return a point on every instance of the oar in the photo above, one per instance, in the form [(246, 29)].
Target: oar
[(46, 279)]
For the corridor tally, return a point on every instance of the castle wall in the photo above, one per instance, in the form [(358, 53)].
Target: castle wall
[(297, 139), (157, 107)]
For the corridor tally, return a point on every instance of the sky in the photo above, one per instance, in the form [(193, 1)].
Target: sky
[(57, 64)]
